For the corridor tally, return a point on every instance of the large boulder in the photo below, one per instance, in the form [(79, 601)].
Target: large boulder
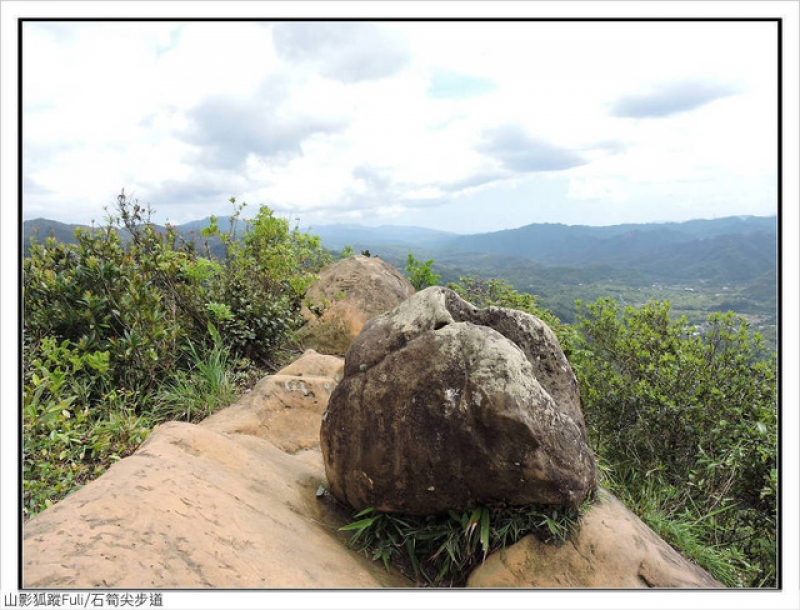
[(444, 405), (612, 549), (223, 504), (346, 295)]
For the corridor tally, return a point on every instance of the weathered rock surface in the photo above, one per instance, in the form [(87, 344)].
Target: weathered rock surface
[(286, 408), (612, 549), (444, 405), (350, 292), (212, 505)]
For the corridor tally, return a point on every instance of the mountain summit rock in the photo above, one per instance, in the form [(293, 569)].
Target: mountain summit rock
[(347, 294), (444, 406)]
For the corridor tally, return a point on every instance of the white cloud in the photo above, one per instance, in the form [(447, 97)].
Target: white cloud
[(349, 52), (345, 120)]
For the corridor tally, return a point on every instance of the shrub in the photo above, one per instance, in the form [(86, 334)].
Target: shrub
[(420, 274), (75, 423), (131, 325), (98, 296), (262, 282), (668, 409)]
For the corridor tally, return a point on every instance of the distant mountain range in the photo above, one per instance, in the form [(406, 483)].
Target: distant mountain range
[(725, 249), (619, 245), (338, 236), (732, 249)]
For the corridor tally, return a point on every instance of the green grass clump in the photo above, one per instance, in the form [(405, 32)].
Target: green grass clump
[(670, 513), (196, 393), (441, 550)]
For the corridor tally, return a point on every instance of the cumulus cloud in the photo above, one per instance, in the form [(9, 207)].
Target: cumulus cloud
[(372, 189), (479, 178), (32, 187), (519, 152), (227, 129), (349, 52), (374, 178), (671, 98), (192, 190), (340, 119)]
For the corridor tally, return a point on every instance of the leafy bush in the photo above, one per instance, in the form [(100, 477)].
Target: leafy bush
[(670, 409), (96, 295), (131, 325), (262, 281), (75, 423)]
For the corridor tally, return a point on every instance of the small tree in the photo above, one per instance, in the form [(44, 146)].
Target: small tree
[(420, 274)]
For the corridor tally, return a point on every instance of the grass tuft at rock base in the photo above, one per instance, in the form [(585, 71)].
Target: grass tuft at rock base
[(441, 550)]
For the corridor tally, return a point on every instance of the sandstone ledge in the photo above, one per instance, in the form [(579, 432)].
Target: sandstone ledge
[(612, 549), (199, 506)]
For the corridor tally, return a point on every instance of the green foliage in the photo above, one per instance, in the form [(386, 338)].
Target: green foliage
[(669, 408), (265, 274), (75, 423), (441, 550), (123, 327), (420, 274), (346, 252), (289, 255), (98, 297)]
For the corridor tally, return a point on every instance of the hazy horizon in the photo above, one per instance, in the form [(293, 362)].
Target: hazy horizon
[(310, 227)]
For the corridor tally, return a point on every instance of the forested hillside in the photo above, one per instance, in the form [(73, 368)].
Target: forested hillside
[(556, 244)]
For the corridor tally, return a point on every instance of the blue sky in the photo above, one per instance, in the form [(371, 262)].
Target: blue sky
[(464, 126)]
